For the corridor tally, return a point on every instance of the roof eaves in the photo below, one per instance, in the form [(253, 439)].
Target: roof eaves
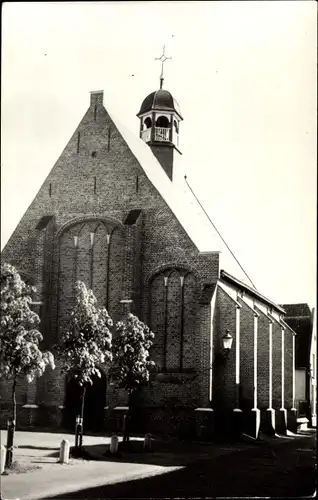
[(279, 322), (237, 304), (252, 291), (241, 299), (288, 327), (264, 313)]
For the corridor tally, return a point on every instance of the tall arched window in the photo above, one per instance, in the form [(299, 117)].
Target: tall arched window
[(93, 252), (173, 317)]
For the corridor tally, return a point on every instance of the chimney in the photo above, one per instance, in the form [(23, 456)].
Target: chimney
[(97, 97)]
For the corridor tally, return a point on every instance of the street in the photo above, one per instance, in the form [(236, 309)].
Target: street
[(271, 470)]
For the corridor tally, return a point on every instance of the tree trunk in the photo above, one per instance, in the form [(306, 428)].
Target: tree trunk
[(11, 426), (82, 414), (14, 402)]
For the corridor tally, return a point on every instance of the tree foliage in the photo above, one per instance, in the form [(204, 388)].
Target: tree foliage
[(131, 353), (20, 353), (87, 341)]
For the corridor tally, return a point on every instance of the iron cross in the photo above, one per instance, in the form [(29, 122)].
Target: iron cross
[(163, 58)]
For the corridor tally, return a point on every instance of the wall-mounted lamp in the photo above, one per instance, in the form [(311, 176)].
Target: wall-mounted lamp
[(227, 340)]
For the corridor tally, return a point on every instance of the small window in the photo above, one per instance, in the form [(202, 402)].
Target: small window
[(94, 154), (176, 126), (148, 122), (162, 122)]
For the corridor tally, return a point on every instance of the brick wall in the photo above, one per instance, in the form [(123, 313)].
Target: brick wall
[(224, 386), (277, 366), (288, 369), (246, 357)]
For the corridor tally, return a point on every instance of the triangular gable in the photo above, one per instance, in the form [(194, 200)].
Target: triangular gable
[(176, 195)]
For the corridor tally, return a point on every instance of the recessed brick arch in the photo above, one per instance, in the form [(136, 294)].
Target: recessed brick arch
[(109, 222), (173, 293), (90, 250), (170, 266)]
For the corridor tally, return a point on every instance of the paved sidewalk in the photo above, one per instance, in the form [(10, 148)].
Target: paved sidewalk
[(54, 479), (40, 451), (33, 449)]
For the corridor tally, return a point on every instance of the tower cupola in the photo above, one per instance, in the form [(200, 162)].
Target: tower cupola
[(160, 118)]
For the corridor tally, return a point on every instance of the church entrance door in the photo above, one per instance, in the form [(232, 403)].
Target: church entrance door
[(95, 400)]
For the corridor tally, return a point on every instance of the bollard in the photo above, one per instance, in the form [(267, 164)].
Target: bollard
[(3, 458), (64, 452), (113, 444), (147, 442)]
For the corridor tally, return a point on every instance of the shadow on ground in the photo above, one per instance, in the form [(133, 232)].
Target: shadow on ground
[(269, 470), (163, 452)]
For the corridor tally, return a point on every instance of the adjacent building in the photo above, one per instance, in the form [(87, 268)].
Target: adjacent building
[(302, 320)]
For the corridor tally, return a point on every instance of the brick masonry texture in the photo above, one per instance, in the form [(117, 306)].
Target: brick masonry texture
[(224, 388), (246, 356), (288, 369), (89, 193), (263, 362), (277, 366)]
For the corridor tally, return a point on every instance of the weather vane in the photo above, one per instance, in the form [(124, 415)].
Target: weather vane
[(163, 58)]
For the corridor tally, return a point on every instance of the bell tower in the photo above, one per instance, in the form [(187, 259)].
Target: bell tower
[(160, 118)]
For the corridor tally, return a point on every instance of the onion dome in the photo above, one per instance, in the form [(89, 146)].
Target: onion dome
[(160, 100)]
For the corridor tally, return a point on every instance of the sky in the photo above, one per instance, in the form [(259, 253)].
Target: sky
[(245, 76)]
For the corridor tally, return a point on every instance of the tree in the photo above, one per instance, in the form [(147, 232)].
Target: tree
[(20, 354), (87, 341), (131, 356)]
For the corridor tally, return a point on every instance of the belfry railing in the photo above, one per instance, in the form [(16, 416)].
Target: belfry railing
[(162, 134)]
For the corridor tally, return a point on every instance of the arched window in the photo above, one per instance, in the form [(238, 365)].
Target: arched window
[(172, 319), (148, 122), (176, 126), (162, 122), (93, 252)]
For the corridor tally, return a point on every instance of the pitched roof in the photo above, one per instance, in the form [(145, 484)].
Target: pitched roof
[(231, 279), (296, 310)]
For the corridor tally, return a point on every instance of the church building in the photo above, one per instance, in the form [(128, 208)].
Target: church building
[(109, 214)]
